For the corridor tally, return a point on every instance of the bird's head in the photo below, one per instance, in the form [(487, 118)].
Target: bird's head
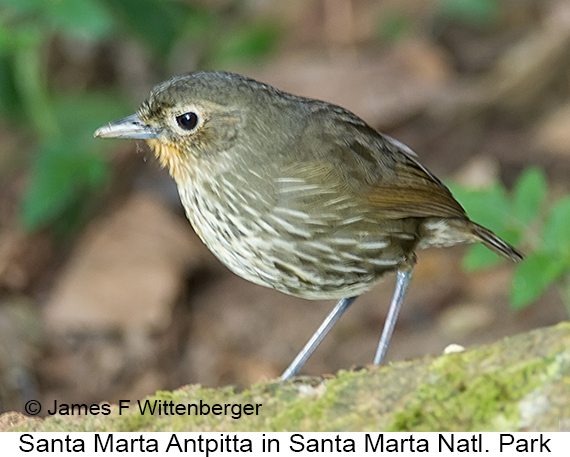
[(190, 118)]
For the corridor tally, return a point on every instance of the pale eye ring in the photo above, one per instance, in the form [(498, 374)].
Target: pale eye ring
[(187, 121)]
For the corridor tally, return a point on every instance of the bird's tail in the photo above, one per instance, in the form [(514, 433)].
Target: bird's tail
[(494, 243)]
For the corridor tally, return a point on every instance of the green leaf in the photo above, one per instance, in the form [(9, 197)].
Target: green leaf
[(58, 178), (87, 19), (529, 195), (556, 233), (81, 114), (488, 207), (68, 167), (11, 105), (394, 26), (22, 7), (199, 23), (248, 42), (481, 13), (479, 257), (84, 19), (156, 23), (30, 82), (7, 40), (533, 276)]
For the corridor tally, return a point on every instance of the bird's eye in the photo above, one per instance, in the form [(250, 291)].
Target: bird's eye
[(187, 121)]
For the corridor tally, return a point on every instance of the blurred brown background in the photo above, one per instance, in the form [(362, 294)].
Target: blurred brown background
[(105, 291)]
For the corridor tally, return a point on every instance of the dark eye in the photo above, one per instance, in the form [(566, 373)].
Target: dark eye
[(187, 121)]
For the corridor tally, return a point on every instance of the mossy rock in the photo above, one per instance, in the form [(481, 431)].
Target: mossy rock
[(519, 383)]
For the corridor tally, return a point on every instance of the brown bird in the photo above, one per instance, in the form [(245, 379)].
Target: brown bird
[(298, 194)]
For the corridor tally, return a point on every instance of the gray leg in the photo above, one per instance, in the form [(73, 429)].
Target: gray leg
[(318, 336), (402, 283)]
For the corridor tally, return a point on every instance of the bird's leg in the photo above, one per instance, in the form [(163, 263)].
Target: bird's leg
[(402, 283), (317, 337)]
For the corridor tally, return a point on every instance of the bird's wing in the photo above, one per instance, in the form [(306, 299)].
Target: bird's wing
[(377, 169), (413, 192)]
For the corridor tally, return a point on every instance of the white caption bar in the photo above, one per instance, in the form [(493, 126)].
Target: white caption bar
[(287, 444)]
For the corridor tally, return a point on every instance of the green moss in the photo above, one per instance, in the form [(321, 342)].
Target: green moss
[(464, 394)]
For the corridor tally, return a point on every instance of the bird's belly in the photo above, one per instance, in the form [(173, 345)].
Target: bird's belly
[(276, 253)]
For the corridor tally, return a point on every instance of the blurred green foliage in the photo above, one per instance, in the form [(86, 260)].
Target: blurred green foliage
[(398, 24), (68, 165), (394, 26), (476, 13), (524, 216)]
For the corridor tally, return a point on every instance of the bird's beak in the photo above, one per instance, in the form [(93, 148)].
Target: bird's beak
[(130, 127)]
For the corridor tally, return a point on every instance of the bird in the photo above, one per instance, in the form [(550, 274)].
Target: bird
[(297, 194)]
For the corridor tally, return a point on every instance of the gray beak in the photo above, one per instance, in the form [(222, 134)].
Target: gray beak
[(130, 127)]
